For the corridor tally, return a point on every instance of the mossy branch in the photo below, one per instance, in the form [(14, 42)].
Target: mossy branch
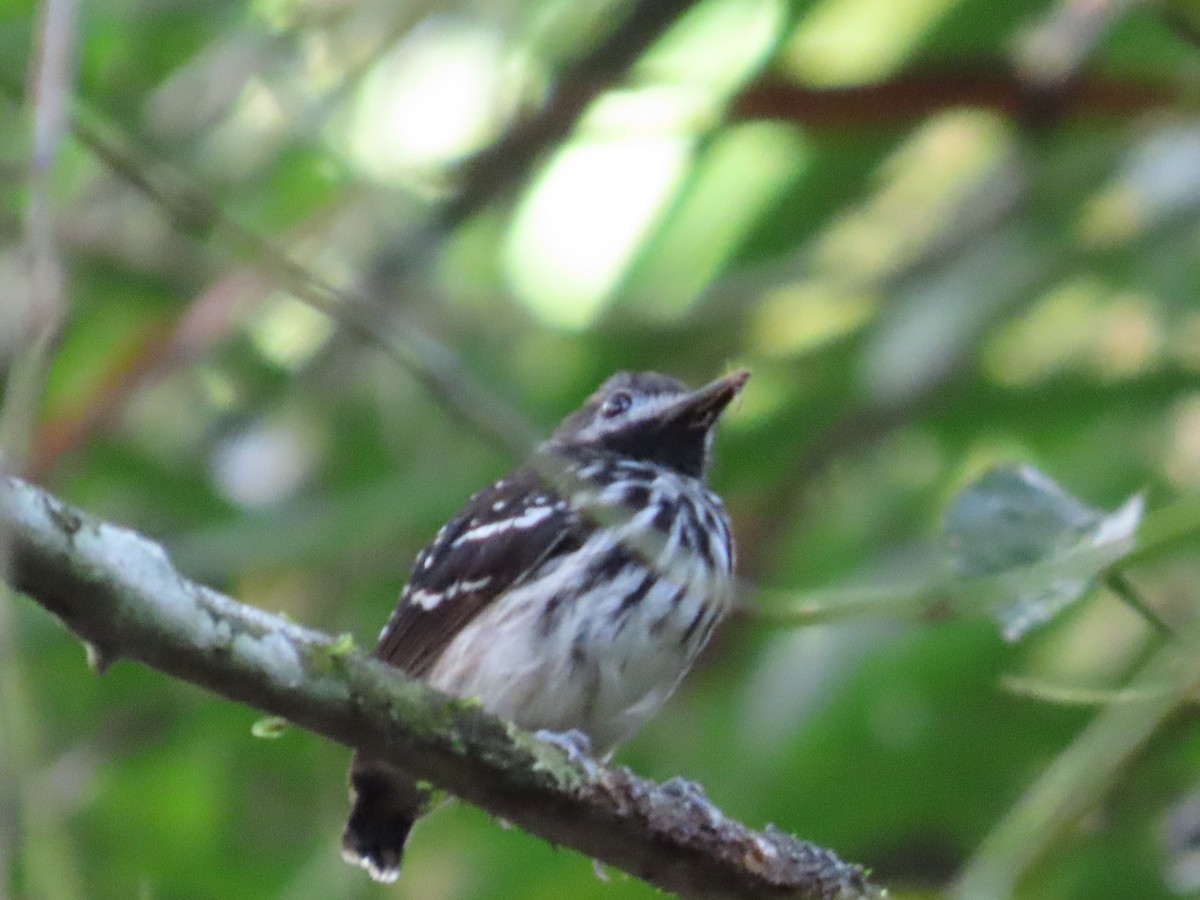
[(119, 593)]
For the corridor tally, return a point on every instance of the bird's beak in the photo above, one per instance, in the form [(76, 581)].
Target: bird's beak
[(702, 406)]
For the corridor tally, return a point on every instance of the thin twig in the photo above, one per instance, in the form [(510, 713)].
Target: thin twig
[(1051, 54), (429, 361), (496, 168), (1081, 775), (50, 863), (912, 97), (1119, 584), (1073, 695)]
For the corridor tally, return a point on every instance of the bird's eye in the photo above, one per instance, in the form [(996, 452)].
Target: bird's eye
[(616, 404)]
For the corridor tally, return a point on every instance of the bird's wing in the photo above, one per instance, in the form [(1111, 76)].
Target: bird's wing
[(503, 534)]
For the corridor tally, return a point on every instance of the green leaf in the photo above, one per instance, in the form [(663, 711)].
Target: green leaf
[(269, 728), (1048, 544)]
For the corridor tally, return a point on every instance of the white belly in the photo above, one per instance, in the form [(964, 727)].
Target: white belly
[(597, 663)]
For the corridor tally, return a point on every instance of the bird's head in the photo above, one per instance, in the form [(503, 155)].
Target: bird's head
[(652, 417)]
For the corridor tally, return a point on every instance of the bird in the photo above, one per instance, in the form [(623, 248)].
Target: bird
[(572, 595)]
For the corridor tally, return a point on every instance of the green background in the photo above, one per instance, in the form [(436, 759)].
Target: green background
[(942, 234)]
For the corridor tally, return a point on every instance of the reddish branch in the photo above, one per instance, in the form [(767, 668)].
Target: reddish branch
[(909, 98)]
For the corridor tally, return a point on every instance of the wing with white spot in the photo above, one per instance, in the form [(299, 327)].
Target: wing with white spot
[(504, 533)]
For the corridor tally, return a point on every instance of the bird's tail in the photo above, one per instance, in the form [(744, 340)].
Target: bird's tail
[(387, 803)]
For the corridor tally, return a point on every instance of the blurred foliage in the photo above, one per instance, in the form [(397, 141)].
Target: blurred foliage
[(944, 234)]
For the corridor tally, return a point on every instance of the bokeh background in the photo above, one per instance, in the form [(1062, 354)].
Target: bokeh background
[(942, 233)]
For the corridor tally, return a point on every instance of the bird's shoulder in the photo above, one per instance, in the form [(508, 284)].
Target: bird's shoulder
[(502, 534)]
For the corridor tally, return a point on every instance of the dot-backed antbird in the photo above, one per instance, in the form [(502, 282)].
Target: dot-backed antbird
[(570, 595)]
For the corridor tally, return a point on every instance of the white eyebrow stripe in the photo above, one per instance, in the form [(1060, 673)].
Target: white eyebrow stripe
[(526, 520), (643, 408), (652, 406)]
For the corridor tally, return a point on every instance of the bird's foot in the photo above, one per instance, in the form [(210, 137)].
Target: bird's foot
[(575, 744)]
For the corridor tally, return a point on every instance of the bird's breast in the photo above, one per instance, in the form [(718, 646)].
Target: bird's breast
[(598, 637)]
